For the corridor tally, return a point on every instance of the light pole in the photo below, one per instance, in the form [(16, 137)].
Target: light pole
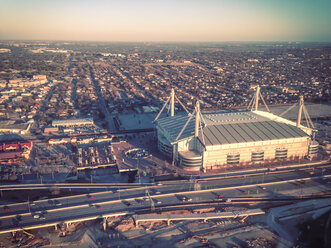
[(151, 200), (29, 204)]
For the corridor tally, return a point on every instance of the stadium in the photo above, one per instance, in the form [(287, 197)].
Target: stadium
[(199, 141)]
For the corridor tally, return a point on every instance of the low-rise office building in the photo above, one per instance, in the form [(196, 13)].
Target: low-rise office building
[(73, 122)]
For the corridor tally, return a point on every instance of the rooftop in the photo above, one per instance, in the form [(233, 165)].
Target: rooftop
[(249, 132), (232, 117), (230, 127), (72, 120)]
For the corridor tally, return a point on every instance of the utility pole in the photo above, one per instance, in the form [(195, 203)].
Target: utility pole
[(138, 170), (191, 180), (197, 185), (173, 155), (301, 190)]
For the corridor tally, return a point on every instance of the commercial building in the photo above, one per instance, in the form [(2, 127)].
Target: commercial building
[(12, 126), (203, 141), (36, 81), (15, 146), (12, 150), (50, 130), (62, 141)]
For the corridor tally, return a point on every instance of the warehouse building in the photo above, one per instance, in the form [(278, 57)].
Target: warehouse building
[(202, 141), (12, 126)]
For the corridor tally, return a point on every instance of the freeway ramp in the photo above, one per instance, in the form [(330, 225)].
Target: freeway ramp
[(204, 216)]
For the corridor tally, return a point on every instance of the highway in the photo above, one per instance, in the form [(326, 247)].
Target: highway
[(127, 201), (78, 186), (311, 169)]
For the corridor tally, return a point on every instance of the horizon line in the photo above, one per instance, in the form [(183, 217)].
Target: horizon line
[(170, 41)]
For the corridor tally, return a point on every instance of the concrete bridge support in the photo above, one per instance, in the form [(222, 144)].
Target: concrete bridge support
[(104, 223), (64, 228)]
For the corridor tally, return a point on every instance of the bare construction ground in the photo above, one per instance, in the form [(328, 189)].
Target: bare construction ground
[(279, 227)]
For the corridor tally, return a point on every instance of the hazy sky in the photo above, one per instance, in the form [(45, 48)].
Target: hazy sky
[(166, 20)]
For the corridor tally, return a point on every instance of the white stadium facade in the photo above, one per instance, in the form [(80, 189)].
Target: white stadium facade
[(205, 141)]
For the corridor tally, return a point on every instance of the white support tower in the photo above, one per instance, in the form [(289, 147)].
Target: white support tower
[(171, 102), (257, 97), (254, 103), (300, 111), (198, 123), (197, 119)]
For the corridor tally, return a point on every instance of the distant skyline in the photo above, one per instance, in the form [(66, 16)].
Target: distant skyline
[(166, 20)]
